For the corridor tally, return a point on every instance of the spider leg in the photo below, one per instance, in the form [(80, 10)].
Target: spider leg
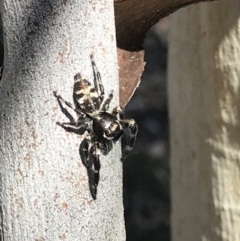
[(84, 151), (95, 151), (106, 103), (98, 79), (118, 110), (106, 147), (66, 112), (77, 127), (132, 125), (59, 97), (90, 159)]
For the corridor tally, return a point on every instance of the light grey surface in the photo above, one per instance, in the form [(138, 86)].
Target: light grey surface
[(45, 193)]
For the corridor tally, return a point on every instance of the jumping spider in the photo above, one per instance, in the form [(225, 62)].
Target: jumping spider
[(103, 128)]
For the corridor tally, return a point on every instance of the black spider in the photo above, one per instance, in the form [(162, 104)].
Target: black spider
[(103, 128)]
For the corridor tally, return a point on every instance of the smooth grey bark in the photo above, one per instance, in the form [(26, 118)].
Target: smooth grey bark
[(204, 107), (44, 186)]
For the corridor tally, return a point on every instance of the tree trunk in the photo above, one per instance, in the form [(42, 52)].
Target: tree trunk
[(204, 119), (44, 186)]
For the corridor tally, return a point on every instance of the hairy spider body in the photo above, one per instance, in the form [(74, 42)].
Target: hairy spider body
[(106, 126), (103, 128)]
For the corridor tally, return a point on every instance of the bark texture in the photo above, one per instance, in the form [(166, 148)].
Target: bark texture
[(44, 186), (204, 106)]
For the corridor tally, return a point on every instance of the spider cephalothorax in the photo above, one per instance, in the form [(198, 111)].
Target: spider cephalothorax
[(103, 128)]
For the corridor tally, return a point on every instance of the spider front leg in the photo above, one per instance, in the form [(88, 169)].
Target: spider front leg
[(133, 128), (59, 98)]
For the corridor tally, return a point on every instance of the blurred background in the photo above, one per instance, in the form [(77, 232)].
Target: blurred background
[(146, 169)]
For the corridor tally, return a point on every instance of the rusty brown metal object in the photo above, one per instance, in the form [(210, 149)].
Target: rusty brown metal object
[(135, 17), (131, 66)]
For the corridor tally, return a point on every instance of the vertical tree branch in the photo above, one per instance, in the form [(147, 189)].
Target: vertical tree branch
[(45, 193)]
